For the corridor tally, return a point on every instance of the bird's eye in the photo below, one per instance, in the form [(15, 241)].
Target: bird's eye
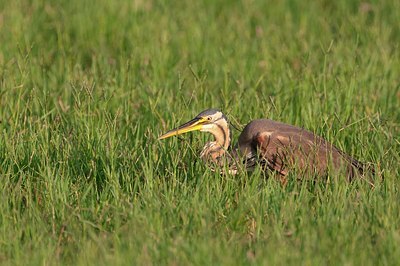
[(209, 118)]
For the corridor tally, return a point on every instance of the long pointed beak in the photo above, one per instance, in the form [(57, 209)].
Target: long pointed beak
[(192, 125)]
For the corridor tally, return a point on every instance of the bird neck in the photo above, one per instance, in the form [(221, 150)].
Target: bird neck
[(216, 149), (221, 134)]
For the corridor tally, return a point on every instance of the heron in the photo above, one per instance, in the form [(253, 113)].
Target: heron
[(275, 146)]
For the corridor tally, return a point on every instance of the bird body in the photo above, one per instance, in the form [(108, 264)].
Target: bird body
[(275, 146), (282, 147)]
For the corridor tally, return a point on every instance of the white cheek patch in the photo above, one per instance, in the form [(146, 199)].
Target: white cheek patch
[(207, 127)]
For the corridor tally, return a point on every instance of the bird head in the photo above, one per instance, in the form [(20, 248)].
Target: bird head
[(206, 121)]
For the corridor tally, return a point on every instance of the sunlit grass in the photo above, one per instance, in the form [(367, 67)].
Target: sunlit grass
[(87, 86)]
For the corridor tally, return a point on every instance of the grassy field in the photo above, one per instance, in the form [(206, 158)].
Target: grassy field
[(87, 86)]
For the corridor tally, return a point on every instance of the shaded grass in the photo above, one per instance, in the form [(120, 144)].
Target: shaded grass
[(87, 87)]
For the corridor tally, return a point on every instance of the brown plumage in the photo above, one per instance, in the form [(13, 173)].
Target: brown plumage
[(277, 147), (281, 148)]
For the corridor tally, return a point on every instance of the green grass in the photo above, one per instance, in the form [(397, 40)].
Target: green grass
[(87, 86)]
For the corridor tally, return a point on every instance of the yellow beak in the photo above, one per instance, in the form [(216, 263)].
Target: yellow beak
[(192, 125)]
